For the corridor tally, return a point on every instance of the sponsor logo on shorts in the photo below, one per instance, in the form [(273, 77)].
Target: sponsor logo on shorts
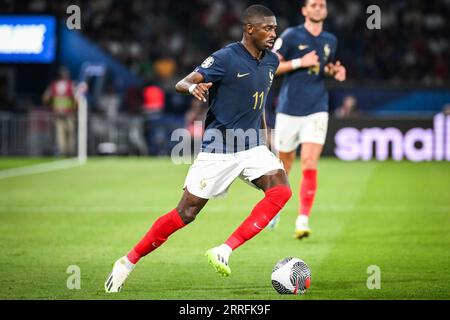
[(203, 184)]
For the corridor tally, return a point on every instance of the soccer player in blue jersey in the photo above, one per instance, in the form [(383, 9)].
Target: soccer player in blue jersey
[(307, 56), (236, 80)]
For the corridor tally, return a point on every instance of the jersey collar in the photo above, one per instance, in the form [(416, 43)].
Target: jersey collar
[(243, 48), (309, 33)]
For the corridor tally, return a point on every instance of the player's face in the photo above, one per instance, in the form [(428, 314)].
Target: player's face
[(315, 10), (264, 33)]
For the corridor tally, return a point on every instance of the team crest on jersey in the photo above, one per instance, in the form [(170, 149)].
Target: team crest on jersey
[(327, 51), (208, 62)]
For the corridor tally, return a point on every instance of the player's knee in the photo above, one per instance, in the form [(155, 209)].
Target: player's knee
[(189, 214), (309, 164)]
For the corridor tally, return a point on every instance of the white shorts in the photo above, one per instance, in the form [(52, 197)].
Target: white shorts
[(211, 174), (291, 131)]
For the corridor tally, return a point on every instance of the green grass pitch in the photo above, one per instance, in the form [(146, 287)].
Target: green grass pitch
[(392, 215)]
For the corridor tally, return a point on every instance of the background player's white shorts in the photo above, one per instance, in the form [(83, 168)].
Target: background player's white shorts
[(291, 131), (211, 174)]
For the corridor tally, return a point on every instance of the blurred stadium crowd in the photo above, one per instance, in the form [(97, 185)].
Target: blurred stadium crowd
[(169, 38), (162, 41)]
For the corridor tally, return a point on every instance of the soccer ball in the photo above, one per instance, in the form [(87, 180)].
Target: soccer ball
[(291, 276)]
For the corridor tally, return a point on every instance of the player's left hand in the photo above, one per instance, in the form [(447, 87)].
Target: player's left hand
[(340, 73), (201, 91)]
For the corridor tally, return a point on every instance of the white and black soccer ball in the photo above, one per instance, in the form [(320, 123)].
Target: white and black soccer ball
[(291, 276)]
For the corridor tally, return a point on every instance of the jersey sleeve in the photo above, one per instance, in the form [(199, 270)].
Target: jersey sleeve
[(282, 44), (214, 68)]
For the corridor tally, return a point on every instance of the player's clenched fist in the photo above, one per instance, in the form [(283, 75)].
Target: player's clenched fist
[(336, 70), (341, 72), (200, 90), (310, 59)]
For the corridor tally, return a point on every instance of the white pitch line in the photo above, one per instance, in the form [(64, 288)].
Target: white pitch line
[(40, 168)]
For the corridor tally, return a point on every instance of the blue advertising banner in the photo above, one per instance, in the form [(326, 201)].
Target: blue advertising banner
[(27, 39)]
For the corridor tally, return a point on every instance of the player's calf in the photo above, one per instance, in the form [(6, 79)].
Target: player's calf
[(258, 219)]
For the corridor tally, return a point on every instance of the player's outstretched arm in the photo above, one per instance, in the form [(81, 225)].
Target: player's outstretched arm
[(192, 84), (308, 60)]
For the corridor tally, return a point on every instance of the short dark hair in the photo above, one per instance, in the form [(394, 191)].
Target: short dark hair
[(256, 11), (305, 3)]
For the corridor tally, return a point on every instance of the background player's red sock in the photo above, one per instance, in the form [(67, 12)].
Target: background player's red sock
[(308, 191), (157, 235), (260, 216)]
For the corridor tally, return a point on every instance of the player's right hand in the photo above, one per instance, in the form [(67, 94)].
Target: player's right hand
[(201, 91), (310, 59)]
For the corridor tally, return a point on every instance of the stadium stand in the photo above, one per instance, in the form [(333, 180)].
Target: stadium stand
[(407, 61)]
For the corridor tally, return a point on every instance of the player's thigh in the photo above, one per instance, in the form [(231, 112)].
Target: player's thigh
[(312, 137), (314, 128), (211, 175), (286, 135), (264, 168), (271, 179)]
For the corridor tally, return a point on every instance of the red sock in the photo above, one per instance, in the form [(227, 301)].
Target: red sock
[(308, 191), (157, 235), (260, 216)]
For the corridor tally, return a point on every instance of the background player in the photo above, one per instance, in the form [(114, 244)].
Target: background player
[(307, 54), (238, 79)]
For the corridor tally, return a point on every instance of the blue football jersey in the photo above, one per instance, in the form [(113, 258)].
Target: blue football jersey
[(237, 98), (303, 91)]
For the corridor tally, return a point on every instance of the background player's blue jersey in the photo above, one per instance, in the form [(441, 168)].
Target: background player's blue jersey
[(303, 90), (237, 98)]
